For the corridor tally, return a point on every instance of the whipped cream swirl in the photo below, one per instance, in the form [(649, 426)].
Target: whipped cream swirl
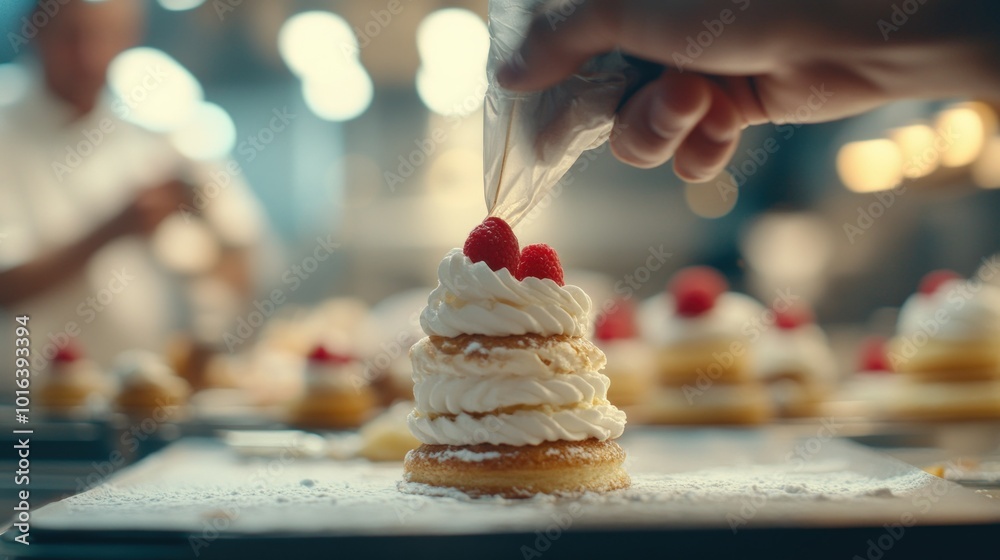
[(957, 310), (473, 299)]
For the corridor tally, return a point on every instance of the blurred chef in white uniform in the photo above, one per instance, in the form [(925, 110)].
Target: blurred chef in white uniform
[(103, 240)]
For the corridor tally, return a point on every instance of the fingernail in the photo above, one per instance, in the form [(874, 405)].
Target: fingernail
[(512, 71)]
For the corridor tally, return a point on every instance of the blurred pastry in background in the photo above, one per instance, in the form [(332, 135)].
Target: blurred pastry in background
[(946, 350), (387, 437), (795, 362), (701, 334), (630, 359), (397, 318), (949, 330), (337, 395), (865, 393), (73, 384), (150, 388)]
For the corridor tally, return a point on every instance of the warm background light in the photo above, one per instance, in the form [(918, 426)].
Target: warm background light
[(870, 165), (453, 44), (916, 146), (964, 131), (714, 198)]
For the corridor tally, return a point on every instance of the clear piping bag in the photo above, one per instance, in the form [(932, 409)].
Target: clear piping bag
[(530, 140)]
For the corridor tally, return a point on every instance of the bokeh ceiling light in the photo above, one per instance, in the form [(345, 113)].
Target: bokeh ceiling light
[(342, 99), (986, 170), (180, 5), (916, 146), (314, 44), (870, 165), (209, 135), (788, 244), (152, 89), (964, 131), (453, 44), (714, 198)]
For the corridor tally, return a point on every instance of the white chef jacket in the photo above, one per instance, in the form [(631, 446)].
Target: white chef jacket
[(61, 178)]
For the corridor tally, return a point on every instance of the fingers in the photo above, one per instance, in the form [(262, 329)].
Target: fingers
[(710, 146), (555, 48), (684, 116), (657, 118)]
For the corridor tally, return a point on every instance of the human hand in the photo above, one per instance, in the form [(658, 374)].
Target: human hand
[(150, 207), (734, 63)]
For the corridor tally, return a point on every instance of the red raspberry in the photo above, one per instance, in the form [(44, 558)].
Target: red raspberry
[(793, 317), (322, 355), (873, 356), (695, 290), (540, 261), (494, 243), (69, 353), (933, 280), (617, 323)]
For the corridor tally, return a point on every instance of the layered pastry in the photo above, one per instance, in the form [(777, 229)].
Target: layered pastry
[(337, 394), (630, 359), (794, 361), (73, 383), (703, 335), (509, 398), (150, 388), (946, 350)]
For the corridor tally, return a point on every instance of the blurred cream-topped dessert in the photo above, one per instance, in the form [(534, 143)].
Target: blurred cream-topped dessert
[(794, 361), (73, 383), (946, 348), (509, 396), (337, 395), (630, 359), (701, 331), (149, 387), (387, 437)]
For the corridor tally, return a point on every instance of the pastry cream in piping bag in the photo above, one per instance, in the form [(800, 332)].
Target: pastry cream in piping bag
[(530, 140)]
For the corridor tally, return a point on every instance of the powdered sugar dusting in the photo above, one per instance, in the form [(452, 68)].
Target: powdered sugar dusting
[(463, 455), (676, 481)]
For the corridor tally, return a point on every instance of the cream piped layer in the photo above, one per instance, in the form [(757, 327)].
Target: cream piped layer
[(538, 359), (473, 299), (455, 395), (523, 427)]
